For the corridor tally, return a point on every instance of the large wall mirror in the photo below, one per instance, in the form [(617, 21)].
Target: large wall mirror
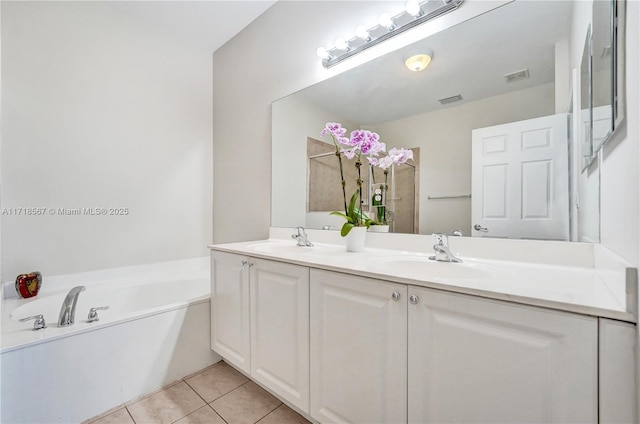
[(487, 120)]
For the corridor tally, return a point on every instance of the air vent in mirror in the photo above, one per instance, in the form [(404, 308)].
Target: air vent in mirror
[(517, 75), (451, 99)]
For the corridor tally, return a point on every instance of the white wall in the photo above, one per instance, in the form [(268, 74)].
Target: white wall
[(444, 139), (271, 58), (619, 194), (102, 109)]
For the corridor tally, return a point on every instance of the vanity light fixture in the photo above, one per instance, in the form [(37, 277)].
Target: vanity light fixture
[(416, 13), (414, 9), (323, 53), (387, 21), (362, 33), (342, 44), (418, 62)]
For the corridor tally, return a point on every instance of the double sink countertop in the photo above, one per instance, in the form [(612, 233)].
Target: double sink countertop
[(598, 287)]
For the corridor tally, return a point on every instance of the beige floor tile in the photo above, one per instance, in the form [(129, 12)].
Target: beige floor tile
[(283, 415), (245, 405), (216, 381), (121, 416), (166, 406), (204, 415)]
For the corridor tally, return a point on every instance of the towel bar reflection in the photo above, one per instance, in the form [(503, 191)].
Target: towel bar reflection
[(462, 196)]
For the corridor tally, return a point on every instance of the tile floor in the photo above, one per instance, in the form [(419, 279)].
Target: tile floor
[(216, 395)]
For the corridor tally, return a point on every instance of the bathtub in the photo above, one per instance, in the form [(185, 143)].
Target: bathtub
[(156, 331)]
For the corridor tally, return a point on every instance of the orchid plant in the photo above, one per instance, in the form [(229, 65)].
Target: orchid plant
[(361, 143)]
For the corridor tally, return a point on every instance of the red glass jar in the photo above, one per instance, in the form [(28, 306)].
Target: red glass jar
[(28, 285)]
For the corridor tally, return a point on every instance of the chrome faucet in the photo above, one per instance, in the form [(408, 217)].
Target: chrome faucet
[(301, 237), (68, 309), (442, 252)]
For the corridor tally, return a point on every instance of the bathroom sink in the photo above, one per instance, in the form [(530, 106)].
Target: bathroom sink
[(423, 267), (283, 247)]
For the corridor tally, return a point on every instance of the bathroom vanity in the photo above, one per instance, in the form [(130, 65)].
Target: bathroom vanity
[(387, 335)]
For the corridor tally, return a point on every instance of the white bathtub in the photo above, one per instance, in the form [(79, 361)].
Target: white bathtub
[(156, 331)]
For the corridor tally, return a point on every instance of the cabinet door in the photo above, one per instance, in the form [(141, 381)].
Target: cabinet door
[(280, 329), (358, 349), (474, 360), (230, 308), (617, 381)]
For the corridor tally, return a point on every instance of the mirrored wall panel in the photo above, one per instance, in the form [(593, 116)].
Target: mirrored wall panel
[(487, 121)]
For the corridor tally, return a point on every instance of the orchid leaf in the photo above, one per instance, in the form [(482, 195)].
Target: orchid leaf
[(340, 214), (346, 228)]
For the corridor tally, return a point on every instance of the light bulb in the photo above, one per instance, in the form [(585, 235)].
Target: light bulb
[(386, 21), (413, 8), (323, 53), (363, 33), (342, 44)]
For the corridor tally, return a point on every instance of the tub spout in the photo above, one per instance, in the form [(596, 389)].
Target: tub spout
[(68, 309)]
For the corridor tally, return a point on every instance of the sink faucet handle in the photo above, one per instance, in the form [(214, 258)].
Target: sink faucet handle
[(39, 322), (442, 239), (301, 237), (93, 313)]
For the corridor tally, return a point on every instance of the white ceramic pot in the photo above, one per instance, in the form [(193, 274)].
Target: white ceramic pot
[(356, 238), (379, 228)]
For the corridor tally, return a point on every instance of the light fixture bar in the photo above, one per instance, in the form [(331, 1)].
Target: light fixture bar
[(358, 44)]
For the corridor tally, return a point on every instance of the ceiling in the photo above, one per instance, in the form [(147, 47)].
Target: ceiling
[(469, 59), (204, 24)]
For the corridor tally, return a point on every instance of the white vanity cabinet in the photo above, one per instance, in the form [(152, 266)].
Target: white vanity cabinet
[(358, 349), (476, 360), (260, 322), (346, 348)]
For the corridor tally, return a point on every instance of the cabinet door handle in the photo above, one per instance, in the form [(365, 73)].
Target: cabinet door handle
[(395, 296), (414, 299)]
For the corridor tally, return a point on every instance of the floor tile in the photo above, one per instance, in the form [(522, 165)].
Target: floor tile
[(216, 381), (121, 416), (166, 406), (283, 415), (245, 405), (204, 415)]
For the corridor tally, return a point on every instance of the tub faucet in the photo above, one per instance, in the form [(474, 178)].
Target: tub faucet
[(301, 237), (441, 248), (68, 309)]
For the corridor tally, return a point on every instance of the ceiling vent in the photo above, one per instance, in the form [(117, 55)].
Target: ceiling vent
[(451, 99), (517, 76)]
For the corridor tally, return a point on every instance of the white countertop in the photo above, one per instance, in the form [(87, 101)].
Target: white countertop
[(603, 292)]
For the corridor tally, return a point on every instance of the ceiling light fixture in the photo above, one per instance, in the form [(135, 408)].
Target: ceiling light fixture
[(416, 13), (420, 61)]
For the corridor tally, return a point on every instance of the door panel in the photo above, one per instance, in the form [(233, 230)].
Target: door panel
[(358, 350), (280, 329), (230, 308), (473, 360), (520, 181)]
